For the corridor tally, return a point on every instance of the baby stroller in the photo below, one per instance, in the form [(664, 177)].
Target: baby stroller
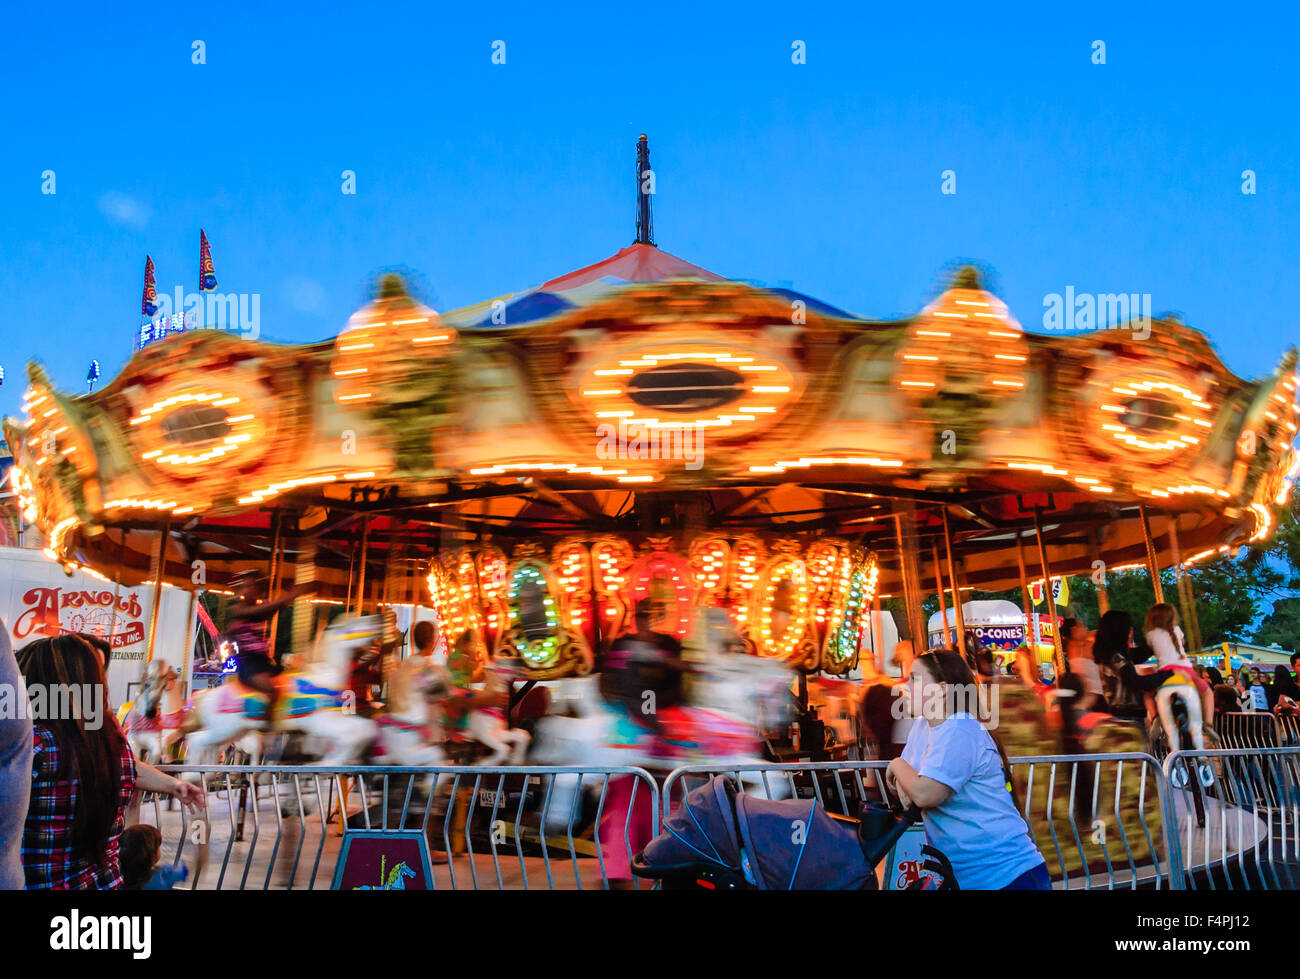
[(721, 839)]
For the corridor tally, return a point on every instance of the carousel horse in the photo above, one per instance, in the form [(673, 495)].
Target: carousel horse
[(314, 702), (408, 732), (1179, 717), (487, 725), (154, 721)]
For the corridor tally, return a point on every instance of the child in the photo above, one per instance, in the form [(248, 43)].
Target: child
[(1166, 640), (951, 768), (138, 851)]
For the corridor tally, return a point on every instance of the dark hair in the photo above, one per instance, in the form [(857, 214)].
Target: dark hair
[(138, 849), (1284, 683), (1067, 627), (1225, 699), (92, 758), (945, 666), (1294, 657), (423, 634), (1113, 632), (1216, 678), (100, 643)]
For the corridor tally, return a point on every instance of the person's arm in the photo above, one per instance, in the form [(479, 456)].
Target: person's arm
[(149, 779), (925, 792), (252, 612), (952, 753)]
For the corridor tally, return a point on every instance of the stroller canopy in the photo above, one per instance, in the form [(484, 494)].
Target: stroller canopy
[(789, 845), (701, 830), (796, 845)]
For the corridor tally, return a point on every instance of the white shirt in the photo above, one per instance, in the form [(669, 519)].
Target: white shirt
[(1088, 672), (1168, 651), (977, 827)]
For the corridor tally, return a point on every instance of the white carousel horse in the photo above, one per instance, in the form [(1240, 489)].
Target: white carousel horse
[(1181, 687), (153, 722), (408, 730), (315, 702), (487, 725)]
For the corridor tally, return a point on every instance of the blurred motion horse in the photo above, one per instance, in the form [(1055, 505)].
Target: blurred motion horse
[(315, 701), (153, 723)]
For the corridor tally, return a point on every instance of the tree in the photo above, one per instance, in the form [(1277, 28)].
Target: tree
[(1281, 626)]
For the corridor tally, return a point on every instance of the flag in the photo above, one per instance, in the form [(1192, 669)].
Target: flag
[(207, 274), (149, 301), (1060, 592), (206, 620)]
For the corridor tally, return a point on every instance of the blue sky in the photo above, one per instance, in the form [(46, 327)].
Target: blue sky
[(482, 178)]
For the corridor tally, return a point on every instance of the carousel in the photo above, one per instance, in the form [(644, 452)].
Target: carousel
[(535, 466)]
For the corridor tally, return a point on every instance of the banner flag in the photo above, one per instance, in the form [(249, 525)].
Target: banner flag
[(207, 274)]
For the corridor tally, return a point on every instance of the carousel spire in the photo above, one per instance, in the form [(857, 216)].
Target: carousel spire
[(644, 189)]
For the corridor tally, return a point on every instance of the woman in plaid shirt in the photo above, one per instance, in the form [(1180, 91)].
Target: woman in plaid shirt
[(83, 774)]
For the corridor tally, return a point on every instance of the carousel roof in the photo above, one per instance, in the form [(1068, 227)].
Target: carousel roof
[(644, 395)]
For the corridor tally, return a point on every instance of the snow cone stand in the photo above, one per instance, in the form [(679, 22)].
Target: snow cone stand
[(534, 466)]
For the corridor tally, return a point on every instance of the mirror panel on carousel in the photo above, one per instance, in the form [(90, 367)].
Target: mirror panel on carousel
[(781, 614)]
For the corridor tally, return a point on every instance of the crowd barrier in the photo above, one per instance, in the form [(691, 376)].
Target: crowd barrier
[(1225, 818), (1099, 820), (1238, 815), (1257, 729), (482, 828)]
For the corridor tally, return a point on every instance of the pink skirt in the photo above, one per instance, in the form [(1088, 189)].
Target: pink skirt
[(614, 820)]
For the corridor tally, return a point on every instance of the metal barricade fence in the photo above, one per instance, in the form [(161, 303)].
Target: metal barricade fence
[(1288, 726), (1247, 729), (1238, 815), (314, 827), (1100, 821)]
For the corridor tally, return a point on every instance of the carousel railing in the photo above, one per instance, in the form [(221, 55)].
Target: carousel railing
[(1238, 816), (483, 828)]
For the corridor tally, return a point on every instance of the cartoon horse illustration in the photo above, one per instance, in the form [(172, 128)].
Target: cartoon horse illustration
[(395, 881)]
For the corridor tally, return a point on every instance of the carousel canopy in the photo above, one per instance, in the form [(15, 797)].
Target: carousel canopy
[(646, 398)]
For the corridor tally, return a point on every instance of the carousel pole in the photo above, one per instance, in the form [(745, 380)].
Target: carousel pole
[(1025, 599), (1103, 599), (159, 573), (352, 560), (277, 567), (1184, 582), (956, 590), (188, 671), (877, 630), (1153, 566), (1058, 653), (361, 575), (910, 573), (304, 612), (938, 583)]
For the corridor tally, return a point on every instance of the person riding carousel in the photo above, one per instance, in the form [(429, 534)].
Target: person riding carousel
[(255, 661), (1124, 687), (641, 663)]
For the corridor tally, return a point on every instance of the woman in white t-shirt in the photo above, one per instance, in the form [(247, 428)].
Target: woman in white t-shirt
[(951, 768)]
